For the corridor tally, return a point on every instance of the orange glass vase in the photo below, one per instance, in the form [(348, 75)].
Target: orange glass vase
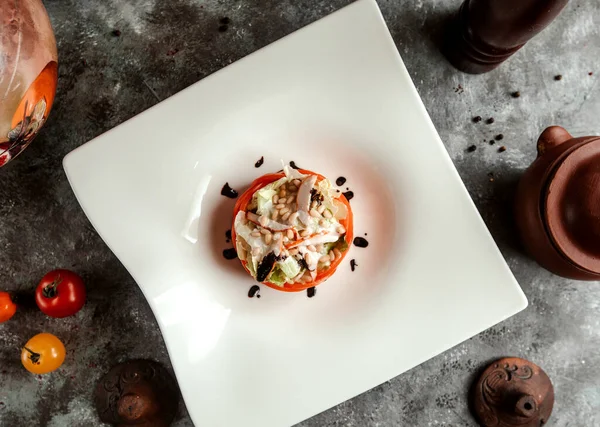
[(28, 74)]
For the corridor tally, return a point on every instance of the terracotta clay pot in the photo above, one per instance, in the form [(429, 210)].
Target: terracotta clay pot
[(557, 205)]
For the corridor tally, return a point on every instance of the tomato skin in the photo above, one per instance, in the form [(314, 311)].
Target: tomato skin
[(60, 293), (265, 180), (43, 353), (7, 307)]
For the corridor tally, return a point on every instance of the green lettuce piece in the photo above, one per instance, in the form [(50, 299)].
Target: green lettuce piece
[(264, 200), (262, 197), (277, 277), (289, 267), (341, 244), (329, 247), (251, 265), (274, 185)]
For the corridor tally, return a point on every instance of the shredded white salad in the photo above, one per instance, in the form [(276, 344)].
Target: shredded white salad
[(291, 229)]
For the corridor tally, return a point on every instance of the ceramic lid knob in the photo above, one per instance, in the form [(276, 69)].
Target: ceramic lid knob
[(137, 392), (552, 137), (512, 392), (133, 407)]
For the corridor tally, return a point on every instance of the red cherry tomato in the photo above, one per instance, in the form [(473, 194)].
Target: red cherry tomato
[(61, 293), (7, 307)]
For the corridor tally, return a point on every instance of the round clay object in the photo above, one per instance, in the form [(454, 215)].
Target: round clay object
[(572, 206), (137, 392), (544, 220), (512, 392)]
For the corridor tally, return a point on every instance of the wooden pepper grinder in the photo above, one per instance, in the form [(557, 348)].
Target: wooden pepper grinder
[(486, 33)]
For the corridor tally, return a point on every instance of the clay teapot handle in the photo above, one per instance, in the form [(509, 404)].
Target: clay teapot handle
[(550, 138)]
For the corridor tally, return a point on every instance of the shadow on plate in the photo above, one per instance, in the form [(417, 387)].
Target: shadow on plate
[(221, 219), (497, 210)]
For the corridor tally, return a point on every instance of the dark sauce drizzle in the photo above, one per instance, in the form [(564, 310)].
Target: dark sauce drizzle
[(230, 253), (349, 195), (228, 234), (260, 162), (227, 191), (254, 292), (315, 196), (302, 263), (340, 181), (353, 264), (361, 242), (265, 266), (311, 292), (293, 165)]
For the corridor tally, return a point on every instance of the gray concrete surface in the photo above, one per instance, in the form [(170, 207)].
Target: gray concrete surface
[(168, 45)]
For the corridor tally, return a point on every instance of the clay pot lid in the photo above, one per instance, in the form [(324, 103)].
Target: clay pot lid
[(512, 392), (572, 206), (137, 392)]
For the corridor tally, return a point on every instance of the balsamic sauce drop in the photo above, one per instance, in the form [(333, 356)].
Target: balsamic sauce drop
[(349, 195), (293, 165), (228, 234), (340, 181), (230, 253), (361, 242), (254, 292), (265, 266), (311, 292), (353, 264), (227, 191), (260, 162)]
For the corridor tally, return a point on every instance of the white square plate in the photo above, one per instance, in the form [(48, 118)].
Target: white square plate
[(336, 98)]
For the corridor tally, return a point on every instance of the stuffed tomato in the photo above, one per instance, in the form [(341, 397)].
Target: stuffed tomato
[(292, 229)]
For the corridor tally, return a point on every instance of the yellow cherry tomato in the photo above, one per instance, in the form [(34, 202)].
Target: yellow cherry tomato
[(43, 353)]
